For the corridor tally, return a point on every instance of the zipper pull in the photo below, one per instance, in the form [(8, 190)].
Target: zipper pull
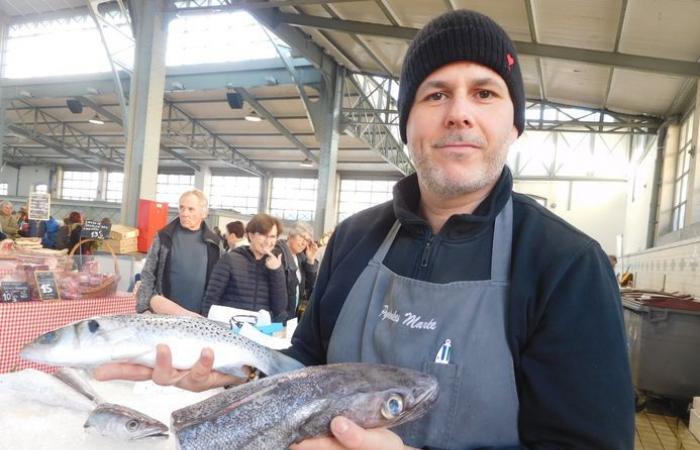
[(426, 253)]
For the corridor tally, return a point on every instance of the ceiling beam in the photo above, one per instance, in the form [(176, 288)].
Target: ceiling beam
[(260, 109), (635, 62), (118, 120)]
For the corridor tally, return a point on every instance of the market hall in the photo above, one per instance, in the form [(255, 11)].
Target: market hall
[(497, 194)]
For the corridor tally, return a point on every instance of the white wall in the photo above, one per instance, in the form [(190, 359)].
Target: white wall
[(30, 176), (595, 207), (9, 176)]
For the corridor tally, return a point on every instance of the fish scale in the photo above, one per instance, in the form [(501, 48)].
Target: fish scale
[(273, 413), (133, 338)]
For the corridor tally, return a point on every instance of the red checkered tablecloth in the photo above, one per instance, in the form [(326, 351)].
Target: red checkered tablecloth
[(21, 322)]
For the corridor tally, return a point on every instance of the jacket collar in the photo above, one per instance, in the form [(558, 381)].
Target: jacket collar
[(208, 235), (290, 262), (407, 199)]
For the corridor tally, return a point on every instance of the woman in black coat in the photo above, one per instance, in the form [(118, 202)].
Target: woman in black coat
[(251, 277)]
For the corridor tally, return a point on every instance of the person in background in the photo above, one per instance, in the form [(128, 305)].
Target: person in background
[(23, 223), (8, 221), (251, 277), (63, 235), (180, 261), (235, 236), (51, 228), (300, 265)]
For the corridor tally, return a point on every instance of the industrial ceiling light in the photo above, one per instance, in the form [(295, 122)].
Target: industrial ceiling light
[(96, 120), (306, 163), (253, 117)]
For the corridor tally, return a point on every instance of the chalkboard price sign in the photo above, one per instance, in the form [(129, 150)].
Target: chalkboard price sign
[(46, 285), (93, 229), (15, 291)]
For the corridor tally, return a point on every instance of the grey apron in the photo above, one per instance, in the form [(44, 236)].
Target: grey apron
[(455, 331)]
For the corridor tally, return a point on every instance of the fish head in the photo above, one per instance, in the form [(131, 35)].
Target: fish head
[(126, 424), (80, 343), (389, 396)]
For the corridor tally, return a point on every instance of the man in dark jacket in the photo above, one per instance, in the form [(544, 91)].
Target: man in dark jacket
[(300, 265), (180, 261), (515, 312)]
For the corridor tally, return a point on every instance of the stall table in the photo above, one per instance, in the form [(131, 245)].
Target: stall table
[(22, 322)]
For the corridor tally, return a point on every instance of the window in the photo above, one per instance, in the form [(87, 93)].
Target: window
[(680, 185), (79, 185), (293, 198), (3, 188), (356, 195), (238, 193), (115, 186), (169, 187), (43, 188)]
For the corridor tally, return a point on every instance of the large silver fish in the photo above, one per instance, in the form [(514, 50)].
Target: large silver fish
[(120, 422), (274, 412), (133, 338)]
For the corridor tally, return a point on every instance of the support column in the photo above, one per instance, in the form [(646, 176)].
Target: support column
[(57, 186), (202, 180), (102, 185), (692, 212), (331, 108), (3, 101), (145, 107), (265, 189)]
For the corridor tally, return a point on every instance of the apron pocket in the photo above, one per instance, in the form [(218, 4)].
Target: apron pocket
[(435, 429)]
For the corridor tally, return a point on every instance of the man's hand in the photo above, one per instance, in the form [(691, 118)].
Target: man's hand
[(349, 436), (311, 251), (273, 262), (198, 378)]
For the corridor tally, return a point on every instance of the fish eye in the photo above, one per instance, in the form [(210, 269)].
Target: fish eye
[(48, 338), (392, 407), (132, 425), (93, 325)]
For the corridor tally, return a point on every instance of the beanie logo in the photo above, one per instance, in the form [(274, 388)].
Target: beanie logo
[(511, 61)]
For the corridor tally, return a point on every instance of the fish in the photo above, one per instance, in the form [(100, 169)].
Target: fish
[(38, 386), (78, 380), (275, 412), (123, 423), (133, 338)]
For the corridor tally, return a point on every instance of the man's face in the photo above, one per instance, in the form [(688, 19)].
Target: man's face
[(191, 213), (231, 240), (459, 129), (298, 243)]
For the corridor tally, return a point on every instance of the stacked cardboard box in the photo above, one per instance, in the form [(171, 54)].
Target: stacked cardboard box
[(694, 424), (123, 239)]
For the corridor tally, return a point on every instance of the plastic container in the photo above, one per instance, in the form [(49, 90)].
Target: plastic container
[(664, 348)]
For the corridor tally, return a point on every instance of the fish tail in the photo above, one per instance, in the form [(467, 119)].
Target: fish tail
[(280, 363)]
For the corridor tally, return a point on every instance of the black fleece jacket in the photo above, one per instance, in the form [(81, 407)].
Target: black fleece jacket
[(565, 327), (241, 281)]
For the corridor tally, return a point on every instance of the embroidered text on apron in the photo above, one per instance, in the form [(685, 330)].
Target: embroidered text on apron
[(455, 331)]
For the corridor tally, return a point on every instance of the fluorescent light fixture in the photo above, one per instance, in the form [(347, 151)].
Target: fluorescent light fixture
[(253, 117), (96, 120), (306, 163)]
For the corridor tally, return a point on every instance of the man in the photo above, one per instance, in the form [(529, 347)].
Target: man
[(8, 221), (300, 265), (514, 311), (180, 261), (235, 236)]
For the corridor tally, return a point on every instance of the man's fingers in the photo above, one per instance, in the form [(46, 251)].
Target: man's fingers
[(133, 372), (353, 437), (163, 371), (201, 371)]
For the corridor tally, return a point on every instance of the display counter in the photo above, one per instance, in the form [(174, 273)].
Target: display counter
[(22, 322)]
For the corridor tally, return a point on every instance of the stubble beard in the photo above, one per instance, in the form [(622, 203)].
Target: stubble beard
[(434, 178)]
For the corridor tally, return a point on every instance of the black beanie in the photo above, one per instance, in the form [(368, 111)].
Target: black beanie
[(460, 36)]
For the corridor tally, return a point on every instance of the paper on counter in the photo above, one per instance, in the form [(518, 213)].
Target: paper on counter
[(225, 313)]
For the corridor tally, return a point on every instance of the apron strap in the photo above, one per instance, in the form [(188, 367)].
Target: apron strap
[(386, 244), (501, 247)]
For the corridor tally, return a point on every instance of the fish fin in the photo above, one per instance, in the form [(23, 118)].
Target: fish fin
[(281, 363), (317, 423), (236, 371)]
